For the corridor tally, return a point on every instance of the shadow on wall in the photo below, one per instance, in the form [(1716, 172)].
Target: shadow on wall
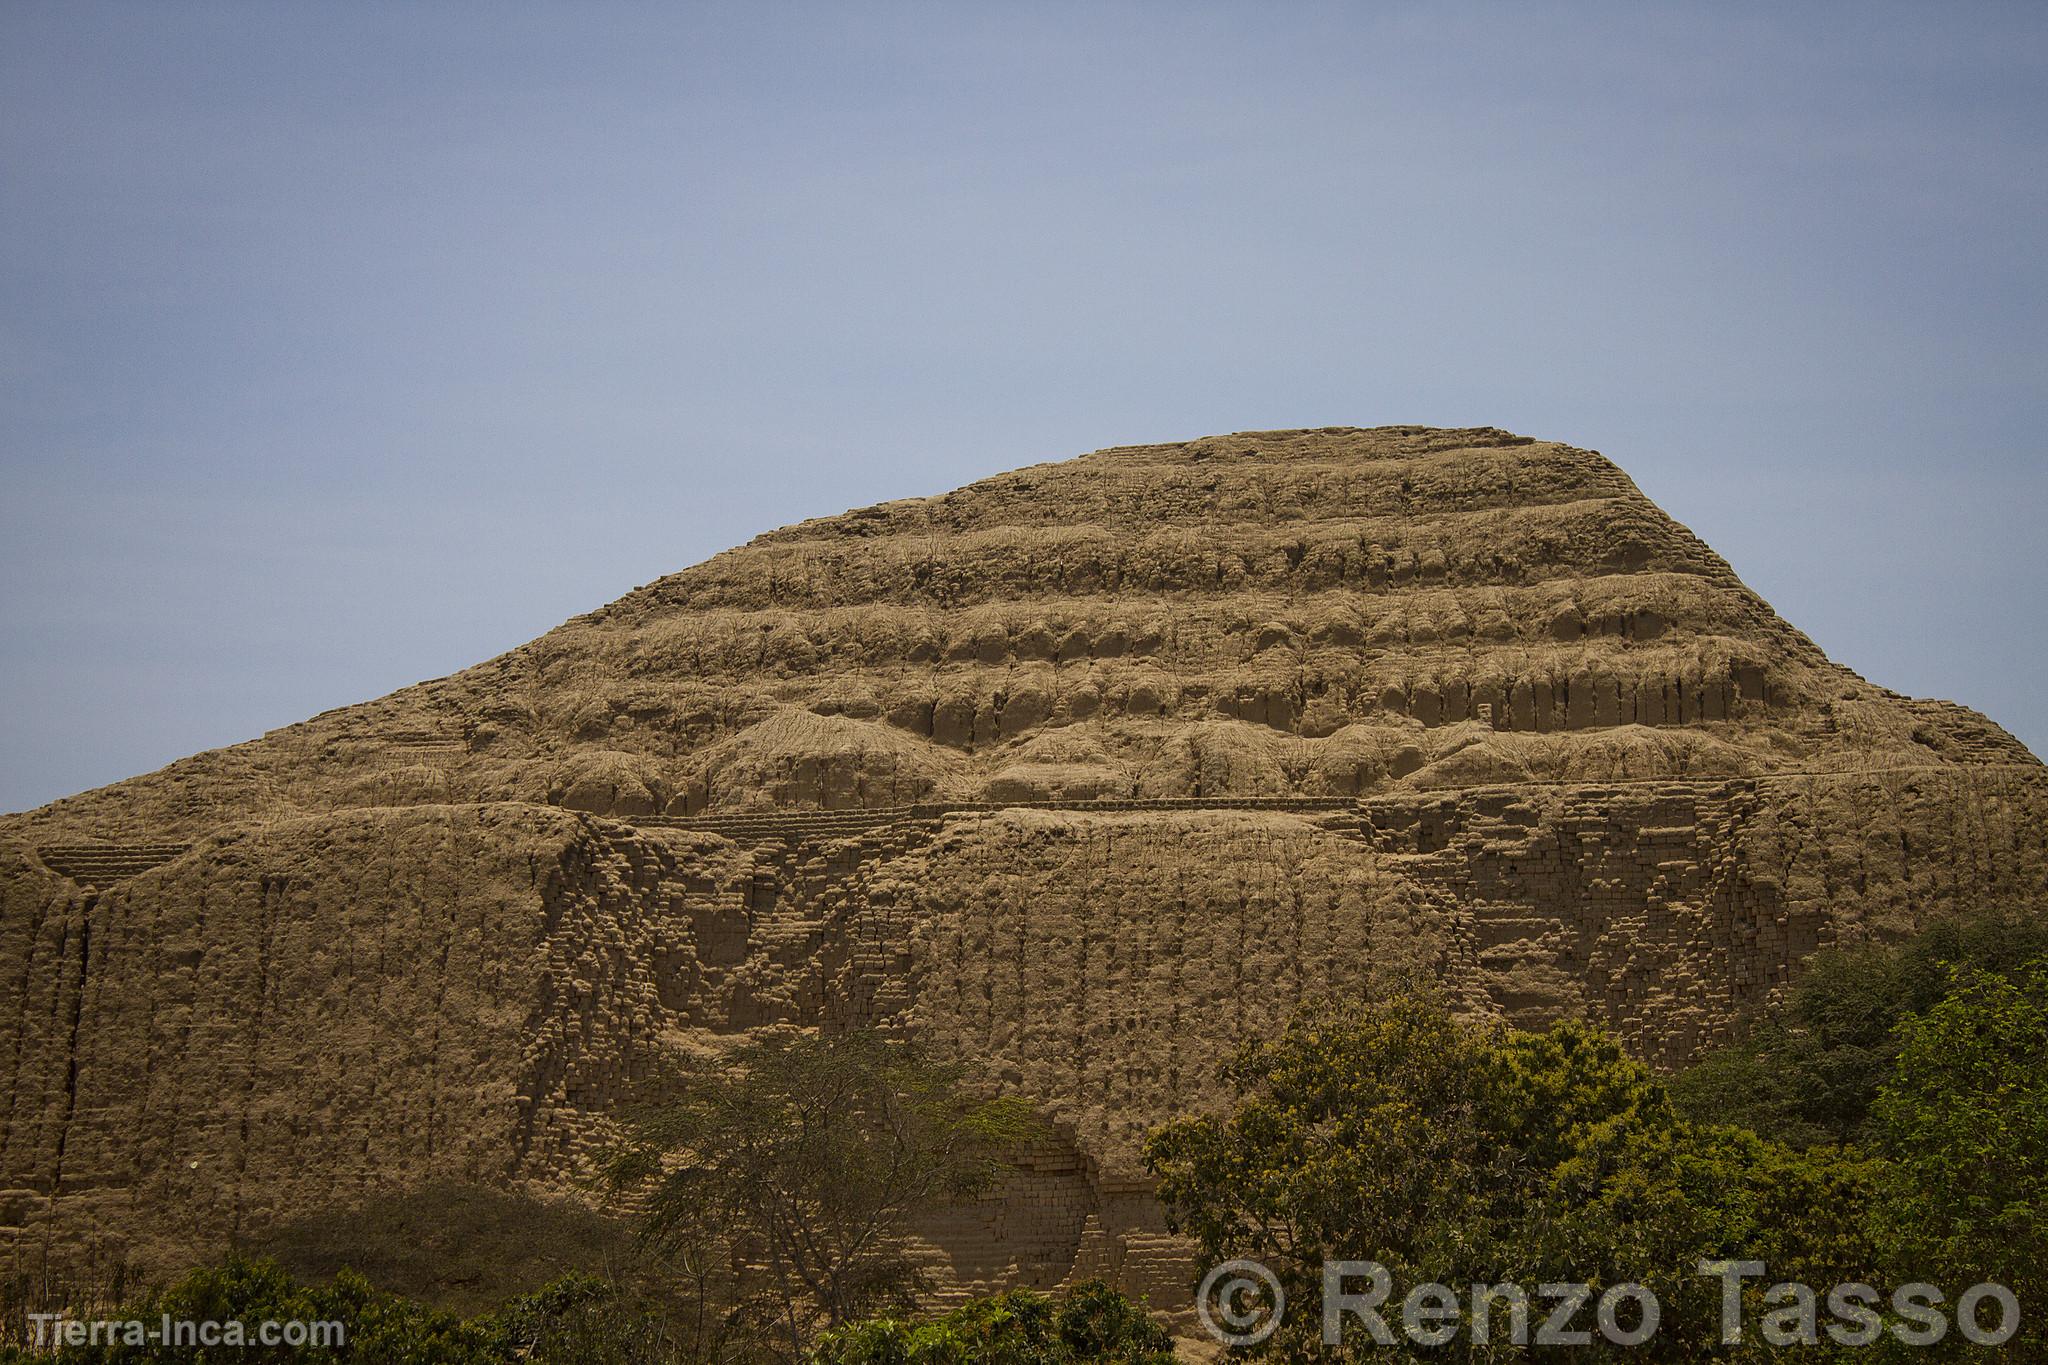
[(463, 1248)]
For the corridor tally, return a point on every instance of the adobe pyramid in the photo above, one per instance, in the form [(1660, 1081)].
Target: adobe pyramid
[(1085, 773)]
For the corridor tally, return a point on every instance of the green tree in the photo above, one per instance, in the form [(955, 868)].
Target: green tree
[(1964, 1119), (1682, 1193), (584, 1320), (1456, 1154), (1344, 1130), (798, 1161), (376, 1327), (1093, 1323), (1811, 1067)]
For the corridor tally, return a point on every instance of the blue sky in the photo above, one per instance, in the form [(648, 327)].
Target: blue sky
[(346, 345)]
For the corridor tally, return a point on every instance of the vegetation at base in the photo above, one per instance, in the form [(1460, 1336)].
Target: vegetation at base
[(1963, 1124), (583, 1320), (465, 1248), (1092, 1323), (1908, 1143), (578, 1320), (1460, 1155), (1811, 1068), (783, 1180)]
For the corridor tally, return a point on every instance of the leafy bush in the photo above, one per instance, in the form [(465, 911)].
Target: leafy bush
[(1964, 1120), (1811, 1068), (578, 1320), (582, 1320), (376, 1326), (1093, 1323), (1466, 1155)]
